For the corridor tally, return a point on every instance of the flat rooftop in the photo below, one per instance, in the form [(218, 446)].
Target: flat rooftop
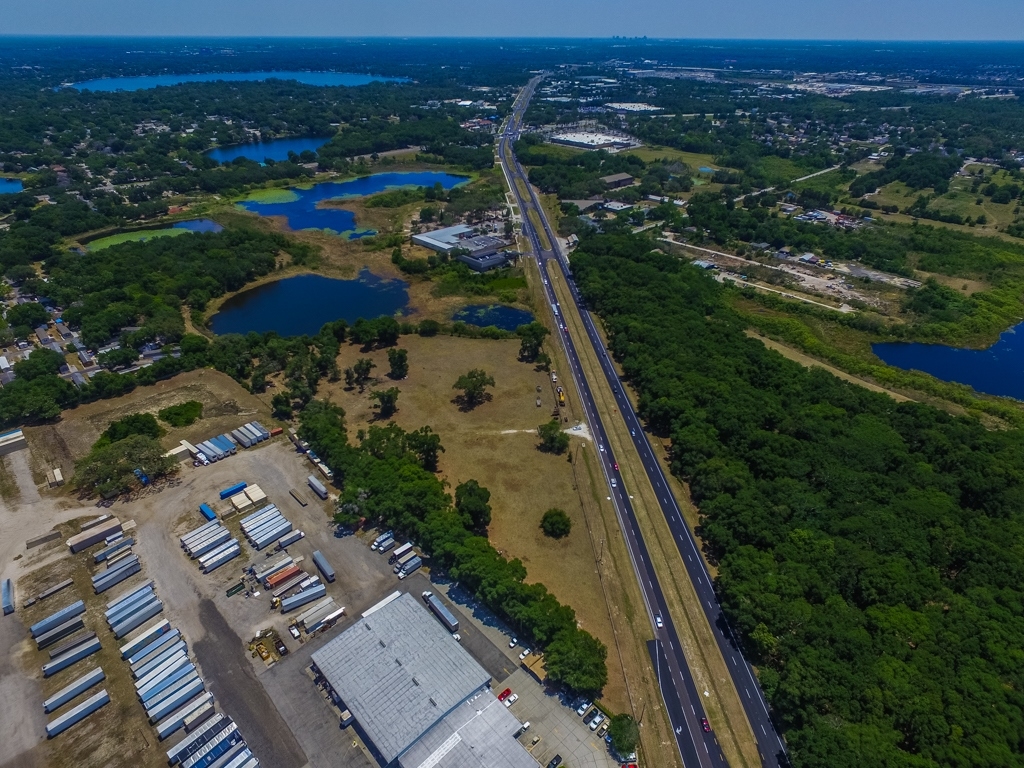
[(399, 672), (480, 733)]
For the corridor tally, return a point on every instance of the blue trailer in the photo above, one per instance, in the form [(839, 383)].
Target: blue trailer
[(69, 658), (232, 490), (77, 608), (7, 590), (77, 714), (73, 689), (207, 511)]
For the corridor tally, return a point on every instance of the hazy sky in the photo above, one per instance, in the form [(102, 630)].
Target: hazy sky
[(797, 19)]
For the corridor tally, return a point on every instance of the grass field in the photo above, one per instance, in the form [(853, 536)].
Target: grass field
[(692, 159), (496, 444), (779, 170), (132, 237), (268, 196)]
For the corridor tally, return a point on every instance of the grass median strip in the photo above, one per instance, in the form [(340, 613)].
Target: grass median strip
[(723, 705)]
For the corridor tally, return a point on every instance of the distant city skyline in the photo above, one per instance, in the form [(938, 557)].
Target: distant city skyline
[(939, 20)]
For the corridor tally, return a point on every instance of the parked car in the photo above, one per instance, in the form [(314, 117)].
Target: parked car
[(513, 642), (596, 721), (504, 694), (293, 631), (583, 707), (511, 699), (280, 647), (524, 654), (555, 761)]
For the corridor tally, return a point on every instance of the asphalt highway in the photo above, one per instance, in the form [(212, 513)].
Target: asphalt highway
[(683, 701)]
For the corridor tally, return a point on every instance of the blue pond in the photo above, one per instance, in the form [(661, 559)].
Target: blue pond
[(10, 186), (301, 210), (199, 225), (705, 169), (498, 315), (302, 304), (108, 84), (995, 371), (273, 149)]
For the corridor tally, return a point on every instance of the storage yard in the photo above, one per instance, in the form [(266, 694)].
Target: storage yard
[(179, 627)]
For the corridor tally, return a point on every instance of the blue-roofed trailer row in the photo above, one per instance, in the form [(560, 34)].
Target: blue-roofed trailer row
[(76, 608), (242, 438), (123, 608), (113, 549), (223, 558), (198, 739), (148, 651), (148, 635), (138, 619), (7, 596), (149, 693), (190, 536), (73, 690), (303, 597), (217, 746), (69, 658), (125, 569), (76, 715), (157, 659), (160, 711), (179, 718)]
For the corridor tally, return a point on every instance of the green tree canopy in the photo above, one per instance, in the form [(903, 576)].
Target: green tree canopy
[(398, 359), (552, 438), (473, 385), (556, 523), (471, 501), (387, 400)]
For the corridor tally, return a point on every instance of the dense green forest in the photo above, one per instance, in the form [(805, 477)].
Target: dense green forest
[(388, 479), (869, 551)]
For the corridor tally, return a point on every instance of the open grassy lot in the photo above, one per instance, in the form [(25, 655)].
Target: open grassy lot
[(130, 237), (692, 159), (225, 406), (496, 444)]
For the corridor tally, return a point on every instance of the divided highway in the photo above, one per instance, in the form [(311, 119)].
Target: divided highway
[(683, 701)]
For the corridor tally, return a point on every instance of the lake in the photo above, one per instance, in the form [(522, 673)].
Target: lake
[(998, 370), (498, 315), (300, 305), (300, 208), (143, 82), (10, 186), (272, 149)]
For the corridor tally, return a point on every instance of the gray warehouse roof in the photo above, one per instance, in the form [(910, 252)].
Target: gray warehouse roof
[(399, 673), (478, 734)]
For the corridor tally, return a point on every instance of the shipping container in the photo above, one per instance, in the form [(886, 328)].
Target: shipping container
[(138, 619), (148, 635), (107, 552), (73, 690), (229, 445), (276, 579), (399, 553), (115, 577), (242, 438), (191, 535), (223, 558), (323, 566), (207, 511), (170, 704), (253, 433), (79, 713), (174, 661), (196, 542), (149, 651), (123, 610), (209, 557), (255, 521), (262, 573), (94, 535), (71, 644), (312, 611), (156, 660), (271, 537), (220, 744), (7, 596), (313, 621), (76, 608), (239, 759), (258, 512), (199, 716), (231, 490), (441, 611), (124, 554), (318, 488), (213, 542), (212, 452), (302, 598), (69, 658), (410, 567), (109, 573), (263, 431), (55, 589), (59, 632), (172, 690), (178, 719), (195, 741), (149, 694), (291, 538), (287, 586), (267, 524)]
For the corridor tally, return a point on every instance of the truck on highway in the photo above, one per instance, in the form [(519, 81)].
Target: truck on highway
[(443, 614)]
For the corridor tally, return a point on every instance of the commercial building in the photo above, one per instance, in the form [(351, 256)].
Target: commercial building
[(416, 695), (479, 252), (617, 180)]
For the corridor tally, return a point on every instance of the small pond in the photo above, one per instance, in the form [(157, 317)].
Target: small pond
[(272, 149), (300, 206), (10, 186), (998, 370), (142, 82), (302, 304), (498, 315)]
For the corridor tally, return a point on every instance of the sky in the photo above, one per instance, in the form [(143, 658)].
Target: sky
[(728, 19)]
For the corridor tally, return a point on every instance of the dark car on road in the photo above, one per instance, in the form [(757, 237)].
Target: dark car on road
[(555, 761)]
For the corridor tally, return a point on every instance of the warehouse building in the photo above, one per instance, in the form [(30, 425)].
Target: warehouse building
[(417, 696), (479, 252)]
